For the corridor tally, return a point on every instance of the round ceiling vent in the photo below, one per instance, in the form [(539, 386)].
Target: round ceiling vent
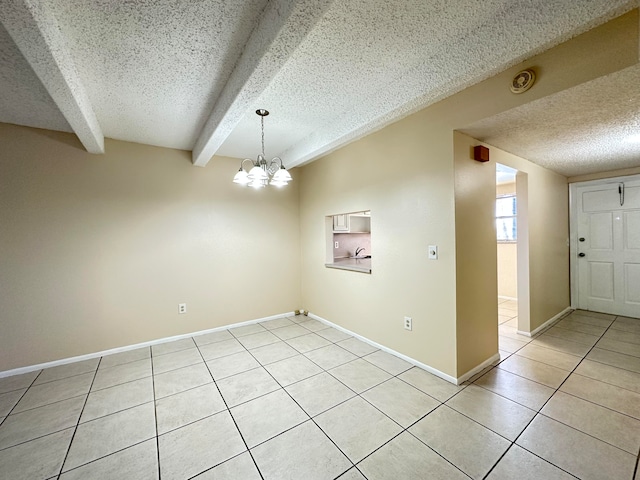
[(523, 81)]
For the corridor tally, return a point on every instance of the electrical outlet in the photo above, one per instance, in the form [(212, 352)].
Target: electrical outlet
[(182, 308), (336, 245), (408, 323)]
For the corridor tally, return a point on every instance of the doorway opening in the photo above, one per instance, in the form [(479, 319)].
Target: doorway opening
[(512, 238), (507, 245)]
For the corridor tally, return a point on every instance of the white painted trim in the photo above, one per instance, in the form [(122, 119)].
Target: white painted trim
[(573, 243), (89, 356), (437, 373), (504, 297), (523, 251), (600, 181), (489, 361), (547, 324), (573, 230)]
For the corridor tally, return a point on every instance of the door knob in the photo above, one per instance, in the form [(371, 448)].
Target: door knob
[(582, 254), (581, 239)]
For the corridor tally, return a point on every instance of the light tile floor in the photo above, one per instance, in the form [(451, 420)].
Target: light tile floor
[(295, 399)]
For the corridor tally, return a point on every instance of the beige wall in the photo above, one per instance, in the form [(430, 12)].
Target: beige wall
[(548, 235), (508, 269), (411, 203), (506, 188), (476, 274), (96, 251), (405, 174)]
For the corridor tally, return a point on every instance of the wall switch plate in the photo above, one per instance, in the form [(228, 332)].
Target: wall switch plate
[(336, 245), (408, 323), (182, 308), (433, 252)]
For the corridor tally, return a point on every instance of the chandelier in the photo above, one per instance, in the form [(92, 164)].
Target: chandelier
[(263, 172)]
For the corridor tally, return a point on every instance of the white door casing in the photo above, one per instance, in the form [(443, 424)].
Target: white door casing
[(605, 245)]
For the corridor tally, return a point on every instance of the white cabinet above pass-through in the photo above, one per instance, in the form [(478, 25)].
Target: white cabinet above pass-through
[(341, 223)]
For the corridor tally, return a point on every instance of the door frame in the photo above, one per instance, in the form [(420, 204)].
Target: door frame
[(573, 226)]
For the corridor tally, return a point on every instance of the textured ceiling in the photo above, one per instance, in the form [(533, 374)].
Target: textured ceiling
[(23, 98), (154, 71), (190, 75), (589, 128), (366, 64)]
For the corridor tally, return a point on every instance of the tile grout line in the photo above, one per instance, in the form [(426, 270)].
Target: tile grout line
[(605, 382), (303, 410), (82, 423), (21, 397), (260, 365), (62, 378), (537, 412), (232, 418), (66, 456), (543, 405), (597, 404), (403, 429), (406, 430), (353, 465), (585, 433), (615, 366), (621, 353), (105, 456), (155, 411)]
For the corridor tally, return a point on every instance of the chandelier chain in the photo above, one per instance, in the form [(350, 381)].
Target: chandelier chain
[(262, 126)]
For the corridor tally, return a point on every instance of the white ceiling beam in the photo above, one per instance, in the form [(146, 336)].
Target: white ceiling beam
[(35, 31), (284, 24)]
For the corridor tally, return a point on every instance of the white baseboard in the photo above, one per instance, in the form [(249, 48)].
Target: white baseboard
[(437, 373), (548, 324), (89, 356), (478, 369)]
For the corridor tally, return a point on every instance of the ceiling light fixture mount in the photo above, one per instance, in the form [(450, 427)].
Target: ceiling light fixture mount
[(263, 172), (523, 81)]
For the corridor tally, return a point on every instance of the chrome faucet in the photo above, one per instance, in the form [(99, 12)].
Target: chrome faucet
[(359, 250)]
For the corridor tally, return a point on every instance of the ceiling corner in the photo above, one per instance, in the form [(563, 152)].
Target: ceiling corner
[(35, 31), (283, 26)]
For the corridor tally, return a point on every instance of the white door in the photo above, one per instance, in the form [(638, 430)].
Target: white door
[(607, 252)]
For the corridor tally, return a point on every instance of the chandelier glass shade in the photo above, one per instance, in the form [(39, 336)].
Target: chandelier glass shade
[(262, 172)]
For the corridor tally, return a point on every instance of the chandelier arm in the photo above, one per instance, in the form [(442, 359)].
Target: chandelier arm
[(247, 160), (274, 165)]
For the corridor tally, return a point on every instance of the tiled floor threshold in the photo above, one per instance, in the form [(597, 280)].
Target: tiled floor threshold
[(293, 398)]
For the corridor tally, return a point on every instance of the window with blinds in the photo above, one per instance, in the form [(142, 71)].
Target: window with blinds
[(506, 224)]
